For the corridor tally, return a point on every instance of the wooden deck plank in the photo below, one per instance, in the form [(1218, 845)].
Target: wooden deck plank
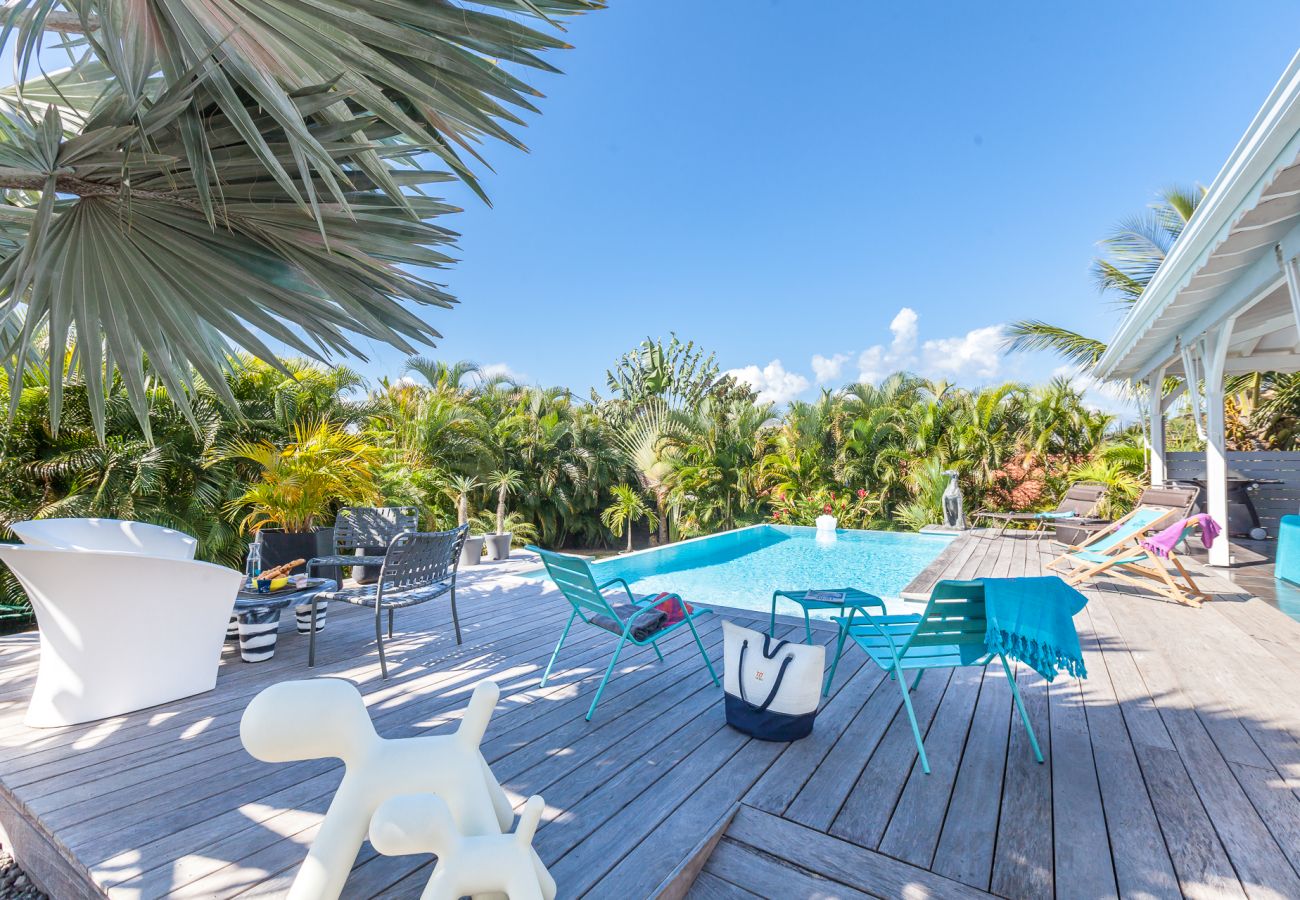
[(1255, 854), (966, 844), (1161, 777), (841, 861)]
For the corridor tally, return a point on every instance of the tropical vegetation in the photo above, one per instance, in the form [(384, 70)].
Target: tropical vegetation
[(672, 448)]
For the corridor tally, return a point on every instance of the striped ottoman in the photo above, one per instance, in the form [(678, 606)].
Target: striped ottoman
[(256, 618)]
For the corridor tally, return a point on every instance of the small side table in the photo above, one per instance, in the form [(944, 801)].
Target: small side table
[(256, 617), (852, 597)]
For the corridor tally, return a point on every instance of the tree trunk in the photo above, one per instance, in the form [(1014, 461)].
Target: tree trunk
[(462, 509), (501, 510), (629, 535)]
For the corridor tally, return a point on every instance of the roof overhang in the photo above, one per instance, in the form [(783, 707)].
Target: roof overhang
[(1226, 265)]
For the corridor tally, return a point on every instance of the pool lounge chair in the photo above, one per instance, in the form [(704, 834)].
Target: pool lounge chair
[(950, 633), (636, 622), (1119, 552), (1080, 502), (1181, 499)]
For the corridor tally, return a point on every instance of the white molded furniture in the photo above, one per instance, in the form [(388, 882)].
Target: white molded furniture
[(487, 864), (120, 630), (326, 717), (107, 534)]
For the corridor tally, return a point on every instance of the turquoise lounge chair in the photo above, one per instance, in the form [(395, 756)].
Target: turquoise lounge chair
[(948, 634), (572, 575)]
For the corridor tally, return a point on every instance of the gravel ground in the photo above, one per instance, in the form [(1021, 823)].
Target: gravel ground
[(13, 883)]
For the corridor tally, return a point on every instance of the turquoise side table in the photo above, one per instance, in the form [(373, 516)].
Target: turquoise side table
[(809, 600)]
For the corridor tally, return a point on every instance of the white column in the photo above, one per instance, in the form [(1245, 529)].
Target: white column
[(1215, 350), (1156, 435)]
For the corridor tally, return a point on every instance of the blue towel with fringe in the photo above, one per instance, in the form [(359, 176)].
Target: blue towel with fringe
[(1032, 620)]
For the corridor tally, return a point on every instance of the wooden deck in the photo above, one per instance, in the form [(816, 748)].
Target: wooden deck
[(1174, 768)]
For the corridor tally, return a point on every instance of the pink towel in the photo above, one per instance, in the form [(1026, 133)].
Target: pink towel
[(1162, 544)]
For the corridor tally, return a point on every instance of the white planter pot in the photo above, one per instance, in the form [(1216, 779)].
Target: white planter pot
[(472, 551), (498, 545)]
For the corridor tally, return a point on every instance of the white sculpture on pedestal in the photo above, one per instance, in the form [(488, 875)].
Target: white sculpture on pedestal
[(326, 717), (467, 866)]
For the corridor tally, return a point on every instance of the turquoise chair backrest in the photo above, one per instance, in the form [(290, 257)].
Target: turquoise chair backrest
[(572, 575), (1142, 519), (953, 620)]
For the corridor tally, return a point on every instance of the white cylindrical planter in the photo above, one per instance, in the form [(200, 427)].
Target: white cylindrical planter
[(472, 551), (498, 545)]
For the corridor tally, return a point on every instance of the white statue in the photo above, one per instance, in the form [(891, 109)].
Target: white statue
[(326, 717), (467, 866)]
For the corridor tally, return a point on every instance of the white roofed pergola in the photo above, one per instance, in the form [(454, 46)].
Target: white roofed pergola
[(1227, 298)]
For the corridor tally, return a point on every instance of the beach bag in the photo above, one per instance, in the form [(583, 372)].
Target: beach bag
[(772, 688)]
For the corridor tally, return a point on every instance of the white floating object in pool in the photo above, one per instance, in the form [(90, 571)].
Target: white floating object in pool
[(826, 523)]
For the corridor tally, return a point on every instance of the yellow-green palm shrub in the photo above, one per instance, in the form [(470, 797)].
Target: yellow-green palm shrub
[(325, 466)]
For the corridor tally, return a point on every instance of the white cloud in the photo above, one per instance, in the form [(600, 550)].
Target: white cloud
[(878, 361), (1103, 396), (501, 370), (773, 382), (404, 382), (828, 368), (977, 354)]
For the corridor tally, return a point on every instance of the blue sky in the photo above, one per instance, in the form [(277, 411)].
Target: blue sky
[(778, 180), (820, 191)]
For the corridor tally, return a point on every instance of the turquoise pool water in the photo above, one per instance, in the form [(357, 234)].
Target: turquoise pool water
[(742, 568)]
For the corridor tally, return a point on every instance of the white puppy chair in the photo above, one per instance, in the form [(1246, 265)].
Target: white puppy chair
[(326, 717), (107, 534), (486, 865), (128, 619)]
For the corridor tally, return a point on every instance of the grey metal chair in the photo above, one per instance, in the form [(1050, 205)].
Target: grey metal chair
[(362, 528), (418, 567)]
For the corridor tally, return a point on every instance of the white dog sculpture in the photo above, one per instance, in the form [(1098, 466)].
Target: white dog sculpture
[(467, 866), (326, 717)]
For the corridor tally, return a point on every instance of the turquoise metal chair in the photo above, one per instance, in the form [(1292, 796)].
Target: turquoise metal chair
[(950, 633), (572, 575)]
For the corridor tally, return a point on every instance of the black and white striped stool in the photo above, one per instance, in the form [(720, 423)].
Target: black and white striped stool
[(303, 613), (258, 630)]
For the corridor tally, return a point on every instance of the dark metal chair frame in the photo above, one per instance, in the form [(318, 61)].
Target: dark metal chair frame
[(359, 527), (418, 567)]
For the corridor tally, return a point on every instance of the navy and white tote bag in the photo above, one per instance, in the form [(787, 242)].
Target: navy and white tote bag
[(772, 687)]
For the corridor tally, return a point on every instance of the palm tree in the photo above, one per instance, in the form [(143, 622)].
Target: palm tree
[(505, 482), (211, 173), (1134, 251), (459, 488), (628, 507)]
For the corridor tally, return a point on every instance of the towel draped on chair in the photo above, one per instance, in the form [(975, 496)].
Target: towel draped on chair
[(1163, 543), (1030, 619)]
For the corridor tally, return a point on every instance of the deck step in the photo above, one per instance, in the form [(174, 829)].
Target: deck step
[(768, 856)]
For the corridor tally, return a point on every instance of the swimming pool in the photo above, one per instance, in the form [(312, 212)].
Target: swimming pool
[(742, 568)]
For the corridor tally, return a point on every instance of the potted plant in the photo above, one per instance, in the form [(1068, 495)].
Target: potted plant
[(628, 507), (460, 487), (504, 482), (323, 467)]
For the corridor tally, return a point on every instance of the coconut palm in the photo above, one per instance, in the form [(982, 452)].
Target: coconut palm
[(1134, 251), (211, 173), (628, 506)]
